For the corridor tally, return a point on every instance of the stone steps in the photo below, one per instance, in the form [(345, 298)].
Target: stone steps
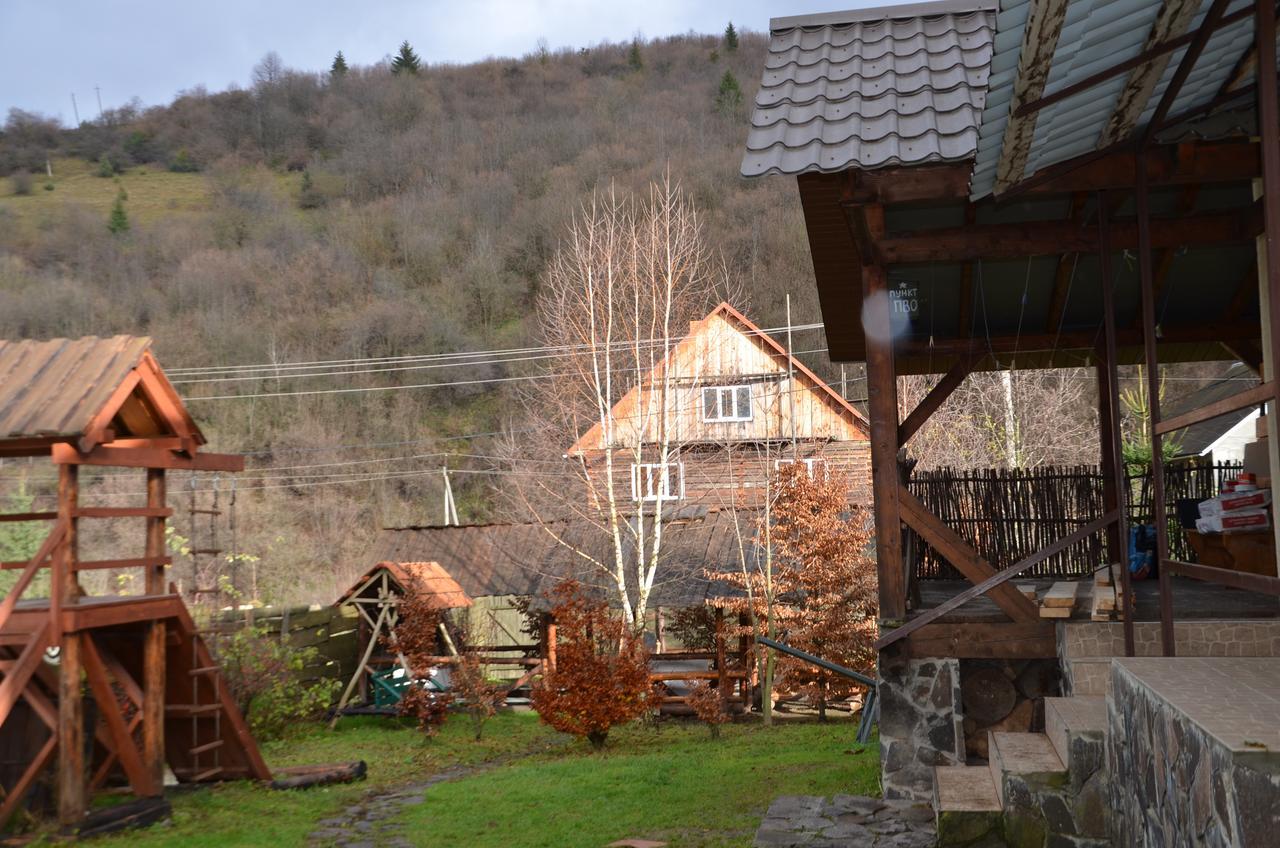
[(1023, 755), (1075, 726), (1035, 787), (965, 804)]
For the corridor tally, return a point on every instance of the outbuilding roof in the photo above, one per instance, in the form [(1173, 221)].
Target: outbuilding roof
[(529, 559), (426, 579), (899, 85)]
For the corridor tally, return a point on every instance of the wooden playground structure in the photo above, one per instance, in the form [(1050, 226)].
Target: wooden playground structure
[(157, 694)]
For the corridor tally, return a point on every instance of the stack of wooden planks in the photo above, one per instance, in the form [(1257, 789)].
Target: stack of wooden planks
[(1099, 597)]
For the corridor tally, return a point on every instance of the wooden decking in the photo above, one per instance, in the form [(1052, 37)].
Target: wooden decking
[(1191, 599)]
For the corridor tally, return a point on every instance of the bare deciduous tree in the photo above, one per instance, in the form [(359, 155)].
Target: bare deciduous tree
[(616, 299)]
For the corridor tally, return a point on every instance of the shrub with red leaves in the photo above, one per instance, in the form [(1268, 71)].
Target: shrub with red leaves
[(601, 677), (415, 637), (708, 706)]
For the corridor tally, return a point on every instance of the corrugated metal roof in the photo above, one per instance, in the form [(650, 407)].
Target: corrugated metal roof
[(54, 388), (871, 88), (1095, 35)]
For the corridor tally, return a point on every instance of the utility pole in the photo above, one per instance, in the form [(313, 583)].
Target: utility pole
[(791, 381), (450, 508), (98, 91), (75, 109)]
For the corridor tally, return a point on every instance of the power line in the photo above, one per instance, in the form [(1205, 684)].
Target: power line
[(496, 356)]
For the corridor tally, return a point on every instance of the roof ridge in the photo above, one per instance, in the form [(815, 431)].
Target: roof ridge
[(884, 13)]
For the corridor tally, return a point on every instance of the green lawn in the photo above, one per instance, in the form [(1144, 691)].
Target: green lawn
[(675, 784), (153, 192), (538, 788)]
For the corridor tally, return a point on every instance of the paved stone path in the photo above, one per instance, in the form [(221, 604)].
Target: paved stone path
[(845, 821), (372, 823)]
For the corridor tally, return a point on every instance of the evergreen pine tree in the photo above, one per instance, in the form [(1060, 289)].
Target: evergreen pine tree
[(634, 59), (729, 98), (406, 61), (339, 66), (730, 38), (119, 221)]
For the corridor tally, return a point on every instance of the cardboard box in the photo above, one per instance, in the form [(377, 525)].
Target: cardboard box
[(1261, 432), (1257, 459), (1232, 522)]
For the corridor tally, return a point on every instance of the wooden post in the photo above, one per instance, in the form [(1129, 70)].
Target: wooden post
[(62, 590), (1107, 458), (722, 675), (551, 644), (153, 655), (1159, 512), (882, 403), (1113, 431), (1268, 248)]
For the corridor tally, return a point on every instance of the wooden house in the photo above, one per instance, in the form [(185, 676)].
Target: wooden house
[(738, 406)]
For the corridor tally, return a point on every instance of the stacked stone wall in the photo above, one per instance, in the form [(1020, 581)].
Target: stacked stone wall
[(921, 725)]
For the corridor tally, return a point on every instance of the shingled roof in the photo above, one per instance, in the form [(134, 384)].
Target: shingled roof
[(868, 88), (427, 579), (62, 389)]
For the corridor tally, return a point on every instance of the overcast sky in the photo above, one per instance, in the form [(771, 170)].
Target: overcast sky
[(152, 49)]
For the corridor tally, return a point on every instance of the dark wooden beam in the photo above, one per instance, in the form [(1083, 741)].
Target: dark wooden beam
[(985, 640), (1206, 162), (1160, 514), (1110, 344), (903, 184), (1128, 337), (965, 322), (882, 406), (147, 458), (126, 751), (1255, 396), (1038, 238), (936, 397), (966, 560)]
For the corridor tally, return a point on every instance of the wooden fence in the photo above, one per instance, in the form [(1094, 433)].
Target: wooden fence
[(1009, 514), (332, 631)]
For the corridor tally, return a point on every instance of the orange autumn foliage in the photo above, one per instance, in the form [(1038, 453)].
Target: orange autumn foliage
[(601, 676)]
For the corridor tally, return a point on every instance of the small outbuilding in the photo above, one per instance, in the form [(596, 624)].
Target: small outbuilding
[(380, 676)]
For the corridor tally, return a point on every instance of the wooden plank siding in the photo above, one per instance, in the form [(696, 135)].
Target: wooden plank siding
[(735, 475), (722, 350), (726, 462)]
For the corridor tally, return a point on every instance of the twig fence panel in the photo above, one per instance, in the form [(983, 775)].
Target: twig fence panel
[(1007, 514), (332, 631)]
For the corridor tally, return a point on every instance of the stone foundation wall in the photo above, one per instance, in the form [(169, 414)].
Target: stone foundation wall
[(921, 725), (1173, 784)]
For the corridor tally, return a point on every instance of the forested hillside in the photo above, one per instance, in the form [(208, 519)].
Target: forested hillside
[(360, 215)]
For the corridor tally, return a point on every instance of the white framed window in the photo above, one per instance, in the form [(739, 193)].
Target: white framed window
[(657, 481), (726, 403), (813, 465)]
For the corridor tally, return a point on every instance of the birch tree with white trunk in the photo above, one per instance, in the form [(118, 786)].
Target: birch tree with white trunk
[(617, 298)]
